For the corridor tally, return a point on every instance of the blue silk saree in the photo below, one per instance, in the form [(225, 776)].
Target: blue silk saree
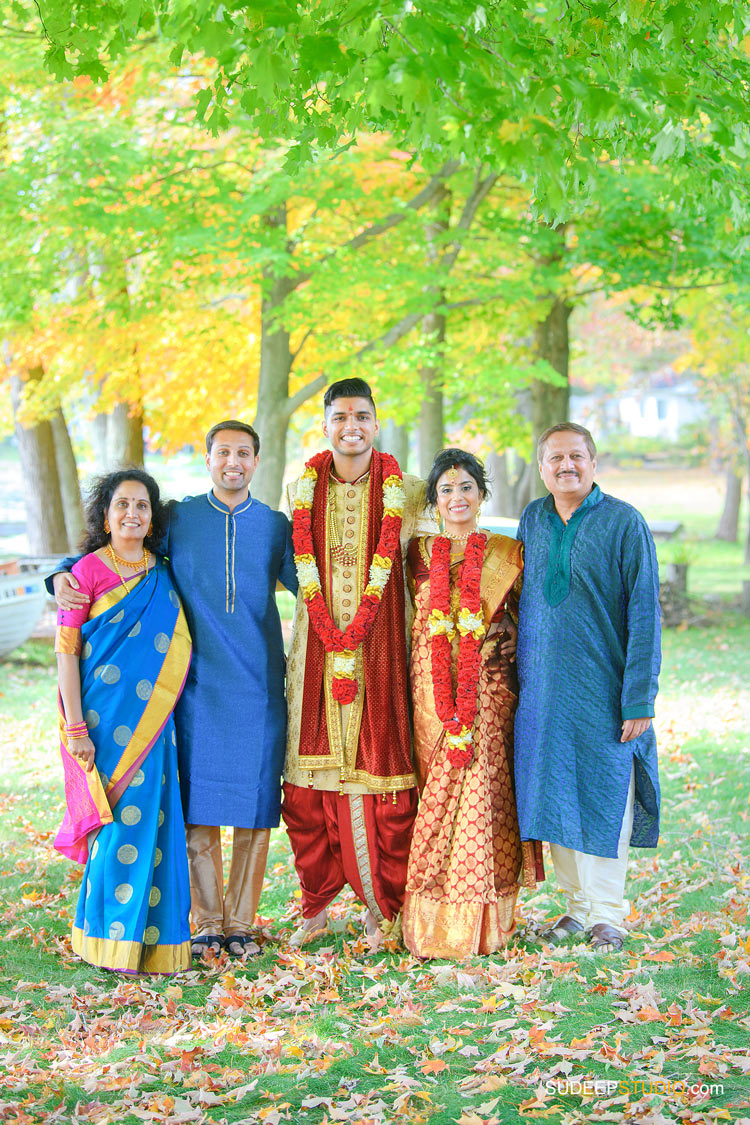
[(124, 818)]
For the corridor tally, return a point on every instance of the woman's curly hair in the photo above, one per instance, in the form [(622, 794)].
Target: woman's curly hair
[(99, 497)]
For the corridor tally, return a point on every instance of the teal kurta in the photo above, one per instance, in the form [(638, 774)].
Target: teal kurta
[(588, 658)]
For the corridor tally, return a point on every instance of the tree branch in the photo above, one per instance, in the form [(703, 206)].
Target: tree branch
[(392, 336), (472, 302), (296, 352), (19, 32), (480, 190), (441, 85), (201, 168), (304, 393), (432, 190)]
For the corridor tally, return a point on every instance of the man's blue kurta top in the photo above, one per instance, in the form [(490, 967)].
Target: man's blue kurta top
[(231, 719), (588, 658)]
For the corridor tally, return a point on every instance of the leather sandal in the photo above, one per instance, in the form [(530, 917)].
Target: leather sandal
[(605, 938), (241, 945), (204, 945), (557, 932)]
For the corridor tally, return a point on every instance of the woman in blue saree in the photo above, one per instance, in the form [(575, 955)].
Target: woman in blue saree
[(122, 664)]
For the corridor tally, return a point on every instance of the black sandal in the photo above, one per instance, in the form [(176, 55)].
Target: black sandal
[(205, 944), (248, 947)]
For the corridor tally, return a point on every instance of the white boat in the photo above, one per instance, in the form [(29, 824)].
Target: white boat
[(22, 598)]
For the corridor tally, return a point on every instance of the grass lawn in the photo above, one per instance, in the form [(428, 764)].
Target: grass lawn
[(332, 1033)]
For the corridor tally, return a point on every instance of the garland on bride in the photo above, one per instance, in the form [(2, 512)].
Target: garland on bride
[(457, 714)]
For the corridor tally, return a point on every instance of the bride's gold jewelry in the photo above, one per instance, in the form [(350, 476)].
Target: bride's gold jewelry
[(459, 538)]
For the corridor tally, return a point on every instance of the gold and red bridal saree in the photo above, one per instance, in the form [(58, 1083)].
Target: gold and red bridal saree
[(466, 861)]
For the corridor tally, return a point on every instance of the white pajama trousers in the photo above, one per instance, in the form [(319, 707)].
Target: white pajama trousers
[(593, 885)]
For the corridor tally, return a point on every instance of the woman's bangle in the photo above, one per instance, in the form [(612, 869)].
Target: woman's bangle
[(76, 730)]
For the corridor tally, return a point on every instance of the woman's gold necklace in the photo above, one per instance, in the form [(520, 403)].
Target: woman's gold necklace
[(141, 564), (459, 538)]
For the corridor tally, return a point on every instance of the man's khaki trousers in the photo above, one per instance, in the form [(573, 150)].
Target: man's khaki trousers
[(213, 911)]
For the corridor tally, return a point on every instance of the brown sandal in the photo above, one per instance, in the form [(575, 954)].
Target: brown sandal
[(605, 938), (557, 932)]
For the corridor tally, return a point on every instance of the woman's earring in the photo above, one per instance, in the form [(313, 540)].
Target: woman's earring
[(106, 526), (150, 530), (479, 511)]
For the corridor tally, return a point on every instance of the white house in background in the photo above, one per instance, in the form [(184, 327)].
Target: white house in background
[(657, 406)]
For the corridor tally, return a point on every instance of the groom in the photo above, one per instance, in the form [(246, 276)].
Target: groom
[(350, 792)]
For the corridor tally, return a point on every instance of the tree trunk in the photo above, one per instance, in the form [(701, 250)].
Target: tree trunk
[(431, 433), (512, 484), (394, 439), (67, 473), (99, 441), (550, 404), (41, 486), (496, 468), (272, 417), (729, 521), (125, 436), (527, 487)]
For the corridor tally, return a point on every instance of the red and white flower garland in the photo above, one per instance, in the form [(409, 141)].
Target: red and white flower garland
[(344, 644), (456, 714)]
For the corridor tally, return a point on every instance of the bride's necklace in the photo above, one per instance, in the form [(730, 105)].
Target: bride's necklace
[(459, 538)]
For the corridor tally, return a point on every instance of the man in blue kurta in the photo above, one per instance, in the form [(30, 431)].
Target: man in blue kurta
[(227, 551), (588, 662)]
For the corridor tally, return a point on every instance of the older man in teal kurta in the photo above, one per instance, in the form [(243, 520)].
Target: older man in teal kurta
[(588, 661)]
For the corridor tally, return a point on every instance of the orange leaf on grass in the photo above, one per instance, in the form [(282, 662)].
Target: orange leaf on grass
[(187, 1058), (675, 1015), (433, 1066), (648, 1013)]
